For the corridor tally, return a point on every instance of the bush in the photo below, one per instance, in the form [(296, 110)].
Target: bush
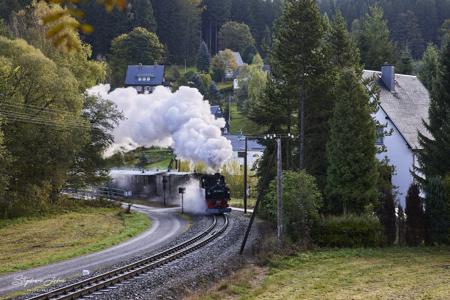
[(301, 202), (436, 212), (414, 213), (349, 231)]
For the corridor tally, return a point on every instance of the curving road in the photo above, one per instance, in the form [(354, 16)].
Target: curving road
[(166, 226)]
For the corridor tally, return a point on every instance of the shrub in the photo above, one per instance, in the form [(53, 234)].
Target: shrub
[(349, 231), (385, 207), (436, 212), (301, 202), (414, 213)]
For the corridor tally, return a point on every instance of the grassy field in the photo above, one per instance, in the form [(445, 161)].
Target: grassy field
[(240, 122), (157, 158), (390, 273), (27, 243)]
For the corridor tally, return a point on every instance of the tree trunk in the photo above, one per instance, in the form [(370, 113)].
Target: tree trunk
[(301, 126)]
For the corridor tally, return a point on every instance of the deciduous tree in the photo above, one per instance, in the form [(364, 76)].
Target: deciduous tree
[(138, 46), (223, 62), (235, 36)]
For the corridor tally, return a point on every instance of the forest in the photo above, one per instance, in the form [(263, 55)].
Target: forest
[(181, 25), (314, 92)]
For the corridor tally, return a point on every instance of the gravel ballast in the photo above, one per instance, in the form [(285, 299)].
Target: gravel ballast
[(197, 269)]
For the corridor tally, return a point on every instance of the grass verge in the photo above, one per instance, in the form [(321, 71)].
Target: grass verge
[(388, 273), (240, 122), (33, 242)]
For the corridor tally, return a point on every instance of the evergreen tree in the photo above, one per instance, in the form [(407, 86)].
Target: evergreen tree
[(179, 28), (203, 58), (414, 214), (344, 51), (216, 14), (405, 65), (352, 173), (299, 62), (373, 40), (434, 153), (429, 66), (249, 53), (385, 208), (107, 25), (141, 15), (405, 31), (436, 212)]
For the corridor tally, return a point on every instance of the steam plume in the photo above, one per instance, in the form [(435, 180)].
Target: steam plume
[(182, 120)]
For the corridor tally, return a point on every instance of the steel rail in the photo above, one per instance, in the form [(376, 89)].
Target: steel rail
[(99, 282)]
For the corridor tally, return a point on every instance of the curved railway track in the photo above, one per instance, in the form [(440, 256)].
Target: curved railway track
[(107, 279)]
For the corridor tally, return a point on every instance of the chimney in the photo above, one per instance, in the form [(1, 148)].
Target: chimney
[(388, 76)]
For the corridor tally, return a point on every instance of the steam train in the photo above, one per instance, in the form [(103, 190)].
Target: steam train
[(217, 194)]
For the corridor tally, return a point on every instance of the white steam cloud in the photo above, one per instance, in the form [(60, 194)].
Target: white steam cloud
[(182, 120), (194, 198)]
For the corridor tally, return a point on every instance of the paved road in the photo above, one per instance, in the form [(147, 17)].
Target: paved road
[(166, 226)]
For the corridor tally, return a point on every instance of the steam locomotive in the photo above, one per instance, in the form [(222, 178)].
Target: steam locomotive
[(217, 194)]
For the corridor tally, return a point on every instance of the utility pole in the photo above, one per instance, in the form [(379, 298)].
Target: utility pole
[(245, 177), (279, 195)]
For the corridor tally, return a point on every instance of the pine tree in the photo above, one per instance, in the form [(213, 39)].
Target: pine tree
[(429, 67), (436, 212), (405, 65), (351, 173), (414, 213), (434, 153), (298, 62), (343, 49), (385, 208), (141, 15), (203, 58), (179, 28), (373, 40)]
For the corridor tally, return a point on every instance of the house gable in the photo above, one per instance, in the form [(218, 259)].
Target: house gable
[(405, 104)]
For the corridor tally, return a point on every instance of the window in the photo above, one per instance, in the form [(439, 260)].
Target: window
[(380, 136)]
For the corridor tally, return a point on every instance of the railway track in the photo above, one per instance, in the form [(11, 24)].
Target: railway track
[(111, 278)]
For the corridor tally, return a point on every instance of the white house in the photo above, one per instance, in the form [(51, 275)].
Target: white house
[(254, 149), (230, 74), (404, 103)]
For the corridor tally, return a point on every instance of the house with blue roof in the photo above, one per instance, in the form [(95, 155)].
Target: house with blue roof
[(216, 111), (144, 78), (255, 150)]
